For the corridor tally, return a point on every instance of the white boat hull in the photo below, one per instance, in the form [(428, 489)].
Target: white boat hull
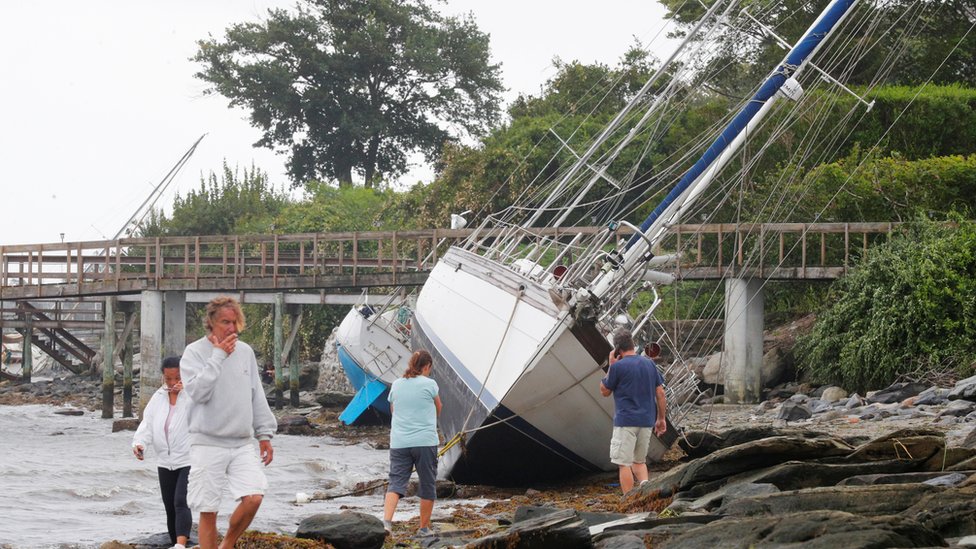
[(519, 376)]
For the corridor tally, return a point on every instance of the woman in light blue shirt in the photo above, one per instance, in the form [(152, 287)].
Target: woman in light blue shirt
[(415, 405)]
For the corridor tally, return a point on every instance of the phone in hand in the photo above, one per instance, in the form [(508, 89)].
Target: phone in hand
[(617, 353)]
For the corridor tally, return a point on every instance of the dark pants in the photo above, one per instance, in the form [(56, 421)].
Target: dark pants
[(172, 485)]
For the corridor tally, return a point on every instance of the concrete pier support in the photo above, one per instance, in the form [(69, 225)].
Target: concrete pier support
[(27, 348), (743, 340), (279, 311), (150, 345), (292, 348), (108, 359), (174, 324), (125, 340)]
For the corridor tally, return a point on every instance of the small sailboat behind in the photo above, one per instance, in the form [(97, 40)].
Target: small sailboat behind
[(373, 347)]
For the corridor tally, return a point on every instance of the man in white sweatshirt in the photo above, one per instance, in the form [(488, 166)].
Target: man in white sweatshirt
[(229, 410)]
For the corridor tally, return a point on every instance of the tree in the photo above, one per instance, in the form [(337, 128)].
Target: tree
[(355, 86), (923, 33)]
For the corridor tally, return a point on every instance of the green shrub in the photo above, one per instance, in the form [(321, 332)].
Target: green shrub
[(910, 305)]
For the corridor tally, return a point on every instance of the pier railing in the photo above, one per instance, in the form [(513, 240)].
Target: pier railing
[(390, 258)]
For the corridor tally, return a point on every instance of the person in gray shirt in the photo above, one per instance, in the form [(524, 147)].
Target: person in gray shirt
[(229, 410)]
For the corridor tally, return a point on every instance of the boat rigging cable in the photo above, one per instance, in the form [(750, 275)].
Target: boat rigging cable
[(747, 160)]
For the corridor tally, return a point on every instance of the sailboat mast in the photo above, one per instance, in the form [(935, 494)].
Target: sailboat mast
[(616, 122), (718, 154)]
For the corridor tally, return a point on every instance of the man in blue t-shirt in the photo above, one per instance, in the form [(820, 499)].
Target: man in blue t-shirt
[(638, 399)]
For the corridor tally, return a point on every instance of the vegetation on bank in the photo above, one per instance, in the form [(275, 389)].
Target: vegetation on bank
[(907, 310)]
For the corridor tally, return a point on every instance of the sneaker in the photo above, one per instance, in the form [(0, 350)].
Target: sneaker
[(425, 532), (388, 526), (178, 546)]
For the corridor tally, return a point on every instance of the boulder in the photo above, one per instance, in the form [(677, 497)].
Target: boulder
[(950, 512), (295, 425), (333, 399), (832, 393), (752, 455), (927, 477), (773, 368), (896, 392), (792, 410), (529, 512), (958, 408), (813, 530), (714, 372), (701, 443), (932, 396), (623, 541), (308, 377), (346, 530), (796, 475), (952, 459), (557, 530), (964, 389), (908, 444), (889, 499), (970, 440)]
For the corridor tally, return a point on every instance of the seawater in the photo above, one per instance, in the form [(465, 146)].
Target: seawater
[(69, 481)]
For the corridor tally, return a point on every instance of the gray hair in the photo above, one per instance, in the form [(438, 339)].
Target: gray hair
[(623, 339)]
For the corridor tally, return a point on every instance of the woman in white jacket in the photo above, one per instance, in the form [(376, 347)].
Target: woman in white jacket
[(164, 426)]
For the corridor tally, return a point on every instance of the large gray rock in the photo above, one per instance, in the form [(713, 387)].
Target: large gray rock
[(814, 530), (792, 475), (346, 530), (752, 455), (950, 512), (896, 392), (833, 394), (529, 512), (774, 367), (295, 425), (970, 440), (714, 371), (910, 444), (964, 388), (728, 493), (958, 408), (927, 477), (794, 411), (887, 499), (932, 396), (333, 399), (308, 377), (553, 531), (623, 541), (701, 443)]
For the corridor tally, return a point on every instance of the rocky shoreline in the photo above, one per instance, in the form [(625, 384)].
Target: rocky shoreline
[(891, 468)]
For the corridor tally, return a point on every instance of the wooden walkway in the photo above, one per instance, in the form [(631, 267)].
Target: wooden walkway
[(354, 260)]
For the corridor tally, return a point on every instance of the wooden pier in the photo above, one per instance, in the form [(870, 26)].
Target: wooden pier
[(780, 251)]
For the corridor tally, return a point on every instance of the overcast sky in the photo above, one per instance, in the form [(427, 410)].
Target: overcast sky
[(99, 101)]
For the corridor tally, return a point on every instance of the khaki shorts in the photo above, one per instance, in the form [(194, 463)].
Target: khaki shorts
[(213, 467), (627, 447)]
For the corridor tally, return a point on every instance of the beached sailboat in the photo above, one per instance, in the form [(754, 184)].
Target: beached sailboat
[(372, 343), (519, 331)]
